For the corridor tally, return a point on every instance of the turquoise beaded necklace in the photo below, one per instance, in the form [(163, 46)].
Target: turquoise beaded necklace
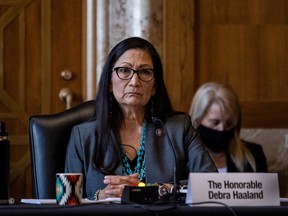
[(140, 167)]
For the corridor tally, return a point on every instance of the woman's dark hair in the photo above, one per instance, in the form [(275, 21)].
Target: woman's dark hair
[(110, 116)]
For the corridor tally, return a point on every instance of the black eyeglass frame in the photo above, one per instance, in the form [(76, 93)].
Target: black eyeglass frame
[(132, 72)]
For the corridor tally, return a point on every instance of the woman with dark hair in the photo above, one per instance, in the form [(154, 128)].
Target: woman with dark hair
[(135, 135)]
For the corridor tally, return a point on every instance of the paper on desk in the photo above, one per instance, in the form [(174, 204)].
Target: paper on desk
[(283, 199), (84, 201), (38, 201), (107, 200)]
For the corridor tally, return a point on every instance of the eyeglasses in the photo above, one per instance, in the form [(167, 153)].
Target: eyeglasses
[(125, 73)]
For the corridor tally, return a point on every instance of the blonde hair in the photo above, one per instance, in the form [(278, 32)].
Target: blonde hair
[(227, 100)]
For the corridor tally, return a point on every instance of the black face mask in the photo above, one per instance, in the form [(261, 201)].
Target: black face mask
[(216, 141)]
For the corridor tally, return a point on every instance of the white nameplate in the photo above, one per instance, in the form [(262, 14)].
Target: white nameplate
[(234, 189)]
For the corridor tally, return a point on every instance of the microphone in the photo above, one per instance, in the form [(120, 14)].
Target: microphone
[(175, 191)]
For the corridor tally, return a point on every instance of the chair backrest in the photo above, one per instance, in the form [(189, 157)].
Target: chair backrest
[(49, 136)]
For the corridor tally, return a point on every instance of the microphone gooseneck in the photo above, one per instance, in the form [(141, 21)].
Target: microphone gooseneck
[(175, 190)]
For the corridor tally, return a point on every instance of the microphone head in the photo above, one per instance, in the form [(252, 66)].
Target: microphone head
[(154, 119)]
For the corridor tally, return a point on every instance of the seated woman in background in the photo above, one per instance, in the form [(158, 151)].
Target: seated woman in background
[(215, 113)]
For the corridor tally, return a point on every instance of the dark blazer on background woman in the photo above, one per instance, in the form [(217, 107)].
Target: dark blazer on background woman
[(258, 154)]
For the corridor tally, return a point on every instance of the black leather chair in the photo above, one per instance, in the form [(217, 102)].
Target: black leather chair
[(49, 136)]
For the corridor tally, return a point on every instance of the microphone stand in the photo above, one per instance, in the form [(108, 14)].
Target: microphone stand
[(176, 189)]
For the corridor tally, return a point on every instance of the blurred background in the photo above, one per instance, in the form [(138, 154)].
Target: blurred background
[(51, 48)]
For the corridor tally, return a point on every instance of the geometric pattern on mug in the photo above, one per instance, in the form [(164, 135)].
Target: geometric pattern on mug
[(63, 190), (69, 189), (78, 188), (60, 189)]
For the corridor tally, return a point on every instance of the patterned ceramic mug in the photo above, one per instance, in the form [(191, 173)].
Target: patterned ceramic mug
[(69, 188)]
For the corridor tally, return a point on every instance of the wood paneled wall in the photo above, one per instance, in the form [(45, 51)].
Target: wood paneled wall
[(39, 39), (179, 51), (243, 43)]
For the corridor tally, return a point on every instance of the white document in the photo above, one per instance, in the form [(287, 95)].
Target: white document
[(84, 201), (38, 201)]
